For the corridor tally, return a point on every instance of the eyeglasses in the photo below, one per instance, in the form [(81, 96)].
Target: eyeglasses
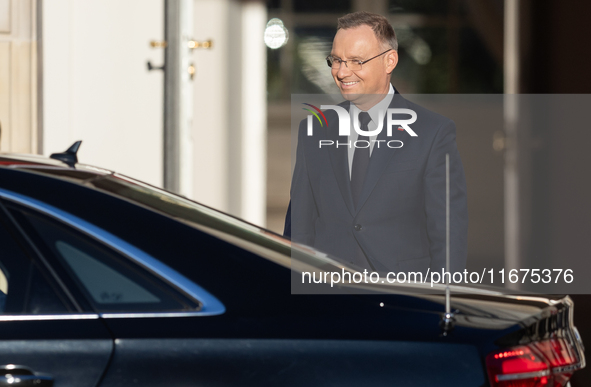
[(353, 65)]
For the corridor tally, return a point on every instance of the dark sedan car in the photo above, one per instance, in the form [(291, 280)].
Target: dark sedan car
[(107, 281)]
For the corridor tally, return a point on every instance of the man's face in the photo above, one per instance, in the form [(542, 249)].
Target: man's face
[(360, 43)]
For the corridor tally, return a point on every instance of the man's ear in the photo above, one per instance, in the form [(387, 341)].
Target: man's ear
[(391, 61)]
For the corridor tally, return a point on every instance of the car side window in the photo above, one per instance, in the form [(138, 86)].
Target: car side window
[(104, 284), (24, 288), (111, 282)]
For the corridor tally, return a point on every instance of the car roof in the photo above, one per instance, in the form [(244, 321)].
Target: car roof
[(17, 159), (49, 166)]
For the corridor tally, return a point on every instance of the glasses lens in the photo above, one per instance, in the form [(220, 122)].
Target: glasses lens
[(335, 63), (354, 65)]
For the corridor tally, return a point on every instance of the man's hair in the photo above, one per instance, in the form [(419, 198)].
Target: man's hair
[(378, 23)]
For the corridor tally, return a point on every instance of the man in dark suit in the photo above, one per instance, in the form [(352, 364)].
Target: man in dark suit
[(378, 201)]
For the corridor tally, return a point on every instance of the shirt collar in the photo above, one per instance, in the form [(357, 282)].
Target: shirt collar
[(378, 111)]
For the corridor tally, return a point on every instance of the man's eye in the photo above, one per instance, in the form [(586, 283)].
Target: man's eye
[(336, 60)]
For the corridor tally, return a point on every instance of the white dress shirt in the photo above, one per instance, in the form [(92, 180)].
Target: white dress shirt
[(376, 113)]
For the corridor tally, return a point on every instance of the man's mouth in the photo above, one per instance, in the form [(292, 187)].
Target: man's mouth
[(349, 83)]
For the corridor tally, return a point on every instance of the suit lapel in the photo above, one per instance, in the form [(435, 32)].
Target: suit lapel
[(382, 156)]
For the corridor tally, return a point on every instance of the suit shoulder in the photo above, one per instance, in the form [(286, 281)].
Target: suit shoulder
[(427, 116), (429, 124)]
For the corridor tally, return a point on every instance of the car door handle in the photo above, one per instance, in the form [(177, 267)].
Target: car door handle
[(22, 376)]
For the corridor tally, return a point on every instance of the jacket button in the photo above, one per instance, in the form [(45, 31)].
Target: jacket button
[(358, 227)]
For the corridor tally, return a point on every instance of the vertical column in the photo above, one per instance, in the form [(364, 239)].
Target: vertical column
[(39, 74), (518, 170), (511, 110), (177, 102), (254, 112)]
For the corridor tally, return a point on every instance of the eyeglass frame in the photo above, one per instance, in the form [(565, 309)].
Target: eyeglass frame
[(361, 63)]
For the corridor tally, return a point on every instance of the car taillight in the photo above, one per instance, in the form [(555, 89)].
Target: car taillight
[(548, 363)]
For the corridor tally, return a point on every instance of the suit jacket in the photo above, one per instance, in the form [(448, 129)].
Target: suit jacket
[(400, 221)]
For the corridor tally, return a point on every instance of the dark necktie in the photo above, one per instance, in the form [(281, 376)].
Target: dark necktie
[(360, 160)]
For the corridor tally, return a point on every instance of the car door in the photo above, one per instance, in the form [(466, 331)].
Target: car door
[(103, 272), (46, 336)]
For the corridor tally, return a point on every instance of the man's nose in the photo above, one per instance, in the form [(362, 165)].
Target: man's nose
[(343, 71)]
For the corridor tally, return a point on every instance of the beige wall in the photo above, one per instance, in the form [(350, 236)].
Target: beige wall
[(18, 76), (229, 109)]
